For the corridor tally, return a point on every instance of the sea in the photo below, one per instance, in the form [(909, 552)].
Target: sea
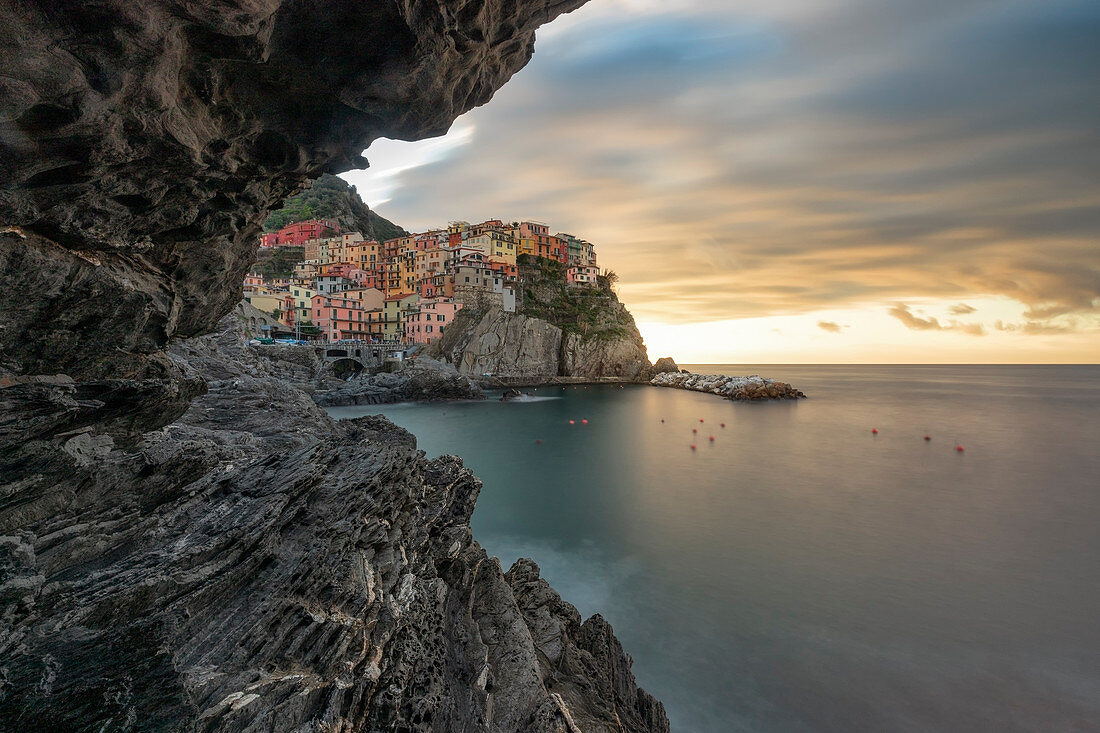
[(797, 571)]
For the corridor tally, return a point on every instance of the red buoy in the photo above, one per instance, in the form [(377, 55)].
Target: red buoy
[(694, 430), (584, 422), (928, 437), (700, 419), (874, 430), (572, 422), (959, 448), (723, 425), (712, 439), (693, 446), (538, 441)]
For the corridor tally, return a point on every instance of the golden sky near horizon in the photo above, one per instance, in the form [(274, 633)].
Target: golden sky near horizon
[(811, 181)]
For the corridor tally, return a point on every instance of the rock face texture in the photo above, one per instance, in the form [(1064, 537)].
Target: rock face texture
[(623, 356), (567, 649), (733, 388), (424, 380), (516, 346), (496, 342), (256, 566)]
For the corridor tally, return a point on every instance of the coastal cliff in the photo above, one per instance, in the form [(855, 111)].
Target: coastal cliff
[(557, 331), (257, 565), (187, 542)]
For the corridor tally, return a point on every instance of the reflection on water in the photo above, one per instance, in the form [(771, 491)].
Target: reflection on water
[(799, 573)]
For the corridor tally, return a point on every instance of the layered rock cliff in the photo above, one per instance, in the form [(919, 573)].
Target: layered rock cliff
[(258, 566), (558, 331), (186, 544), (494, 342), (513, 345)]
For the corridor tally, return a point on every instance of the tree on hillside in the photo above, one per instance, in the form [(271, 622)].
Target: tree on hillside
[(331, 197)]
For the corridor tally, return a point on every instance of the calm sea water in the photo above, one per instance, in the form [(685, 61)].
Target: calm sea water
[(800, 573)]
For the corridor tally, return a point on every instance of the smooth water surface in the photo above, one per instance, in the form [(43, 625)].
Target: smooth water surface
[(800, 573)]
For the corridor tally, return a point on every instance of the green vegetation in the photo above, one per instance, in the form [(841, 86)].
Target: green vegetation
[(590, 312), (332, 198), (277, 262)]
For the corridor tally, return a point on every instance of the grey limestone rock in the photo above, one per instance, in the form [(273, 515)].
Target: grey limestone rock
[(512, 345), (256, 565), (501, 343)]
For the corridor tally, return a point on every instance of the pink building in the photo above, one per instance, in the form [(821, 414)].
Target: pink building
[(339, 317), (426, 324), (298, 232), (584, 275)]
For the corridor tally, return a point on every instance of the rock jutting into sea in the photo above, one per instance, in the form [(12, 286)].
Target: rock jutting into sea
[(752, 387), (424, 380)]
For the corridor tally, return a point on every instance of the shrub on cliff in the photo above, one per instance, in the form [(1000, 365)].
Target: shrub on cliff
[(331, 197), (588, 312)]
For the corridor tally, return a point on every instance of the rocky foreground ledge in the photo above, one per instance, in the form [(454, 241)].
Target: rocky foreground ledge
[(753, 387), (258, 566)]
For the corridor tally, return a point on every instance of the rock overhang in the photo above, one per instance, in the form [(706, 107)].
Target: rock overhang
[(144, 143)]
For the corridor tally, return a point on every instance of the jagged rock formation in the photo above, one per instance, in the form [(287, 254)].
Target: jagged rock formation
[(494, 342), (620, 356), (257, 566), (186, 544), (665, 364), (558, 331), (754, 387), (516, 346), (420, 380), (567, 651)]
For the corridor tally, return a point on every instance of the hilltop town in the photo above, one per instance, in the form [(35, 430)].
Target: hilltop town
[(322, 283)]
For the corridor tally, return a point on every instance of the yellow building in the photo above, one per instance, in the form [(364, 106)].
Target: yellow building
[(303, 303), (267, 302), (393, 314), (494, 244)]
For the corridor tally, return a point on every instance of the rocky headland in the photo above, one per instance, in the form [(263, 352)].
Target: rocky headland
[(187, 541), (557, 331), (753, 387)]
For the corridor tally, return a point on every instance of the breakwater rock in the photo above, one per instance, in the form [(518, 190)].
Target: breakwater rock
[(734, 388)]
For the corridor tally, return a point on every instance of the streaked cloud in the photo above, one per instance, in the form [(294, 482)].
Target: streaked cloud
[(737, 160), (1034, 327), (916, 323), (830, 326)]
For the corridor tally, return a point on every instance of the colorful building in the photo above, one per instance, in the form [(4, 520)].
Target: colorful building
[(410, 287), (394, 312), (342, 318), (585, 275), (298, 305), (425, 324), (299, 232)]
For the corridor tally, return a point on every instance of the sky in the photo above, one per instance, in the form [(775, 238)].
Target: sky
[(801, 181)]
